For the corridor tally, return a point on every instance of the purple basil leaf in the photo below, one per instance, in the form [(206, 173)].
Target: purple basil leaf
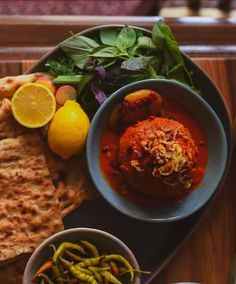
[(88, 64), (99, 95), (100, 71)]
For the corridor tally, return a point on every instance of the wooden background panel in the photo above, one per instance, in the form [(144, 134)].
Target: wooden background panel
[(29, 37), (207, 254), (10, 68), (218, 71), (49, 30)]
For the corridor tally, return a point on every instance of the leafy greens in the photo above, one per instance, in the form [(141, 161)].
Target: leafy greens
[(101, 65)]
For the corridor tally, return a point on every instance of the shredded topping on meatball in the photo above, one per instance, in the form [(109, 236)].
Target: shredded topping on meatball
[(135, 164), (168, 156)]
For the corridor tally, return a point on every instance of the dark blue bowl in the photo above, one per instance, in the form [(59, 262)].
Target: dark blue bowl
[(217, 153)]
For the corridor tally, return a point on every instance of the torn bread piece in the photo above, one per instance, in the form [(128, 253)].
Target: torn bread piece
[(9, 84), (29, 207), (72, 180)]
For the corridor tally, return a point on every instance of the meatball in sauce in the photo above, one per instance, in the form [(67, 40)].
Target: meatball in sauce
[(157, 160)]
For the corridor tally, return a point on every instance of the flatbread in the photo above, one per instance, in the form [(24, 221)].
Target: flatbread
[(29, 207), (71, 178), (9, 84)]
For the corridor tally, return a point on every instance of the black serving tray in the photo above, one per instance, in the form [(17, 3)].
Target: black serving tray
[(152, 243)]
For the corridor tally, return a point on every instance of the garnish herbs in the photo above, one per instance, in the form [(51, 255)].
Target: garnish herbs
[(102, 64)]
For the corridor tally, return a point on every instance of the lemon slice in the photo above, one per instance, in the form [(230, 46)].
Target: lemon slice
[(33, 105)]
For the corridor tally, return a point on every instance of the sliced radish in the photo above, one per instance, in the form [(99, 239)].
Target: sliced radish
[(47, 83), (65, 93)]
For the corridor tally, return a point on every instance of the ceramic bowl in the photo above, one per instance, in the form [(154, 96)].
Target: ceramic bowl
[(103, 240), (217, 153)]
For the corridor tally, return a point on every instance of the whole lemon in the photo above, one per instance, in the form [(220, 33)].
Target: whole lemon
[(68, 130)]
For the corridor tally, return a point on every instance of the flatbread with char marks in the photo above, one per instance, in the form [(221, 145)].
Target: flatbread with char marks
[(29, 207)]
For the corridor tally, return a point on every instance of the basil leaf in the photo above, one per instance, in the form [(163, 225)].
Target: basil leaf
[(106, 52), (99, 95), (106, 62), (158, 37), (164, 40), (79, 43), (130, 78), (139, 33), (173, 66), (156, 63), (180, 73), (109, 36), (136, 63), (80, 59), (126, 38), (145, 42)]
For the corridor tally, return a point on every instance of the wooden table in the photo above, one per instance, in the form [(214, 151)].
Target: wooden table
[(206, 256)]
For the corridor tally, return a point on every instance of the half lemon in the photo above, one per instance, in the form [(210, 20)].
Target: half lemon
[(33, 105)]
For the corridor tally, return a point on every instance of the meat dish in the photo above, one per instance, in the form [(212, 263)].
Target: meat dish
[(157, 156), (158, 159)]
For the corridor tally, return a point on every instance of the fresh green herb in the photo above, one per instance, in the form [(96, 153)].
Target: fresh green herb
[(68, 79), (143, 42), (136, 63), (173, 63), (79, 44), (106, 52), (109, 36), (115, 57), (61, 66), (85, 80), (126, 38)]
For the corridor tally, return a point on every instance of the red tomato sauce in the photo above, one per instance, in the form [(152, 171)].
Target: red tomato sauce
[(109, 149)]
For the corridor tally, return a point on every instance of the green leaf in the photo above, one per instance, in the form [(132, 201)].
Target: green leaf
[(152, 72), (180, 73), (136, 63), (126, 38), (84, 81), (158, 37), (145, 42), (106, 52), (61, 66), (139, 33), (80, 59), (109, 36), (173, 65), (106, 62), (163, 39), (156, 63), (129, 78), (79, 43)]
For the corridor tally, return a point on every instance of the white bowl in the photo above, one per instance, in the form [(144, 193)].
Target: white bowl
[(101, 239)]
